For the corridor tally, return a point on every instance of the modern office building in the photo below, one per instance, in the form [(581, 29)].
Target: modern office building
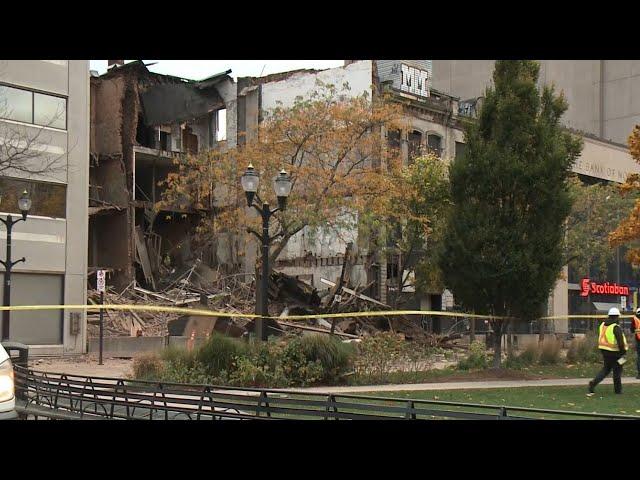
[(603, 95), (44, 149)]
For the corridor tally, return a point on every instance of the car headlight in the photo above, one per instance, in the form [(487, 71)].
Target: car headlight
[(6, 381)]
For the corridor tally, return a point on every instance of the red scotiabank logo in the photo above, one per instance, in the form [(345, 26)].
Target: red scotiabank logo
[(587, 287)]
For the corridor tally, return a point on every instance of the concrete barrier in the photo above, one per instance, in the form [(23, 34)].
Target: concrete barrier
[(132, 346)]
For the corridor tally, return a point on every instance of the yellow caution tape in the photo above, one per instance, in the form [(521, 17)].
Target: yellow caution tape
[(209, 313)]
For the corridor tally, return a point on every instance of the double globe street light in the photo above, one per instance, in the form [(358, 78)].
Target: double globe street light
[(282, 186), (24, 204)]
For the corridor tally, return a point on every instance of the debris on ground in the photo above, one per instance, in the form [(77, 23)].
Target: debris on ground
[(288, 296)]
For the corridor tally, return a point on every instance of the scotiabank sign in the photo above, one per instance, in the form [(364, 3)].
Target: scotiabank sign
[(588, 287)]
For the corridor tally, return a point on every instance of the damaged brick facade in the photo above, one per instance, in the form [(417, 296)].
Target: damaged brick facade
[(141, 121)]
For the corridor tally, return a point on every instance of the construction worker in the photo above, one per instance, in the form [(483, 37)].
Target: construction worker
[(635, 329), (613, 346)]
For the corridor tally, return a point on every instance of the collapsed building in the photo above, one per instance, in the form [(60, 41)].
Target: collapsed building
[(140, 122)]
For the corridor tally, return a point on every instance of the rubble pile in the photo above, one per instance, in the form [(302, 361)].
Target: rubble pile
[(288, 296)]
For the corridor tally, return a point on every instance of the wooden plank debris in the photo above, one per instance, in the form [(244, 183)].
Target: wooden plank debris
[(143, 256)]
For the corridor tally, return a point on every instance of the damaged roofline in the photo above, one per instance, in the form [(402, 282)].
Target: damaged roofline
[(204, 83)]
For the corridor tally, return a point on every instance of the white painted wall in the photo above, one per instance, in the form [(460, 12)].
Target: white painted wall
[(358, 75)]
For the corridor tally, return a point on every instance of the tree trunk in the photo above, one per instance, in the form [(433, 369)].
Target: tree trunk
[(499, 328), (472, 333), (541, 324), (497, 348)]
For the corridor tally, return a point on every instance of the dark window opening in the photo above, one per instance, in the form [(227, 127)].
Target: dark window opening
[(165, 141), (434, 143), (190, 141), (392, 270), (393, 139), (145, 136), (415, 143), (460, 149)]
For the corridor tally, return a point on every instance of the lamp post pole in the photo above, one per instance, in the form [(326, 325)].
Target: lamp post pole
[(24, 204), (263, 307), (8, 265), (282, 187)]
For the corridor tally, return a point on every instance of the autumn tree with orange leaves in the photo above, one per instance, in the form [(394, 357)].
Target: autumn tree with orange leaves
[(331, 146), (628, 232)]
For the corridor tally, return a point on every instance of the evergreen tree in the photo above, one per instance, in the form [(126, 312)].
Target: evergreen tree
[(504, 243)]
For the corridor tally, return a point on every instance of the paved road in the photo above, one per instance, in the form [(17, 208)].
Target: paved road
[(408, 387)]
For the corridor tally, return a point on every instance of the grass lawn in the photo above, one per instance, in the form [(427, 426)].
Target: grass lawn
[(553, 398)]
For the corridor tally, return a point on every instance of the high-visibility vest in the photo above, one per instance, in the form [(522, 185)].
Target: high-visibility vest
[(636, 326), (607, 339)]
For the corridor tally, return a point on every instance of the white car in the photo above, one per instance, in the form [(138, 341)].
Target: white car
[(7, 390)]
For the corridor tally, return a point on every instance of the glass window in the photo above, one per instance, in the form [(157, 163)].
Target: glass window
[(434, 142), (49, 111), (16, 104), (393, 139), (415, 142), (47, 199)]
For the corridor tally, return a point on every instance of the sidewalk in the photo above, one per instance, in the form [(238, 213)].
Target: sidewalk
[(120, 368), (84, 366), (410, 387)]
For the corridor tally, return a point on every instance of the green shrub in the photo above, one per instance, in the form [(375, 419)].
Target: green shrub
[(416, 356), (179, 371), (249, 373), (377, 354), (174, 354), (550, 352), (477, 358), (147, 366), (334, 355), (584, 350), (297, 367), (529, 356), (218, 354)]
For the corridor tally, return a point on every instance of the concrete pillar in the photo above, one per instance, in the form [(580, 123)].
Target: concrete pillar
[(560, 302)]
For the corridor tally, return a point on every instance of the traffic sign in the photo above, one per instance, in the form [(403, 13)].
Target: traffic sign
[(101, 280)]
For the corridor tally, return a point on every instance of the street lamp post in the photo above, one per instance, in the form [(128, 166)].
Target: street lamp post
[(24, 203), (282, 187)]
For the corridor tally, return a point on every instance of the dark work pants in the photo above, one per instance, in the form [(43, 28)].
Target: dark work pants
[(610, 363), (637, 355)]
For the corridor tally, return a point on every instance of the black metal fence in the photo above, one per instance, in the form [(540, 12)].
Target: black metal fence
[(63, 396)]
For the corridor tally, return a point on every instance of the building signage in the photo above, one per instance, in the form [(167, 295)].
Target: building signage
[(588, 287), (413, 80)]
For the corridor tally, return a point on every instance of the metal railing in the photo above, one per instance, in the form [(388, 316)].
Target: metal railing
[(63, 396)]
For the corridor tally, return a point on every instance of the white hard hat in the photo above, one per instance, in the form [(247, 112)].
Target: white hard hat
[(614, 312), (638, 311)]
